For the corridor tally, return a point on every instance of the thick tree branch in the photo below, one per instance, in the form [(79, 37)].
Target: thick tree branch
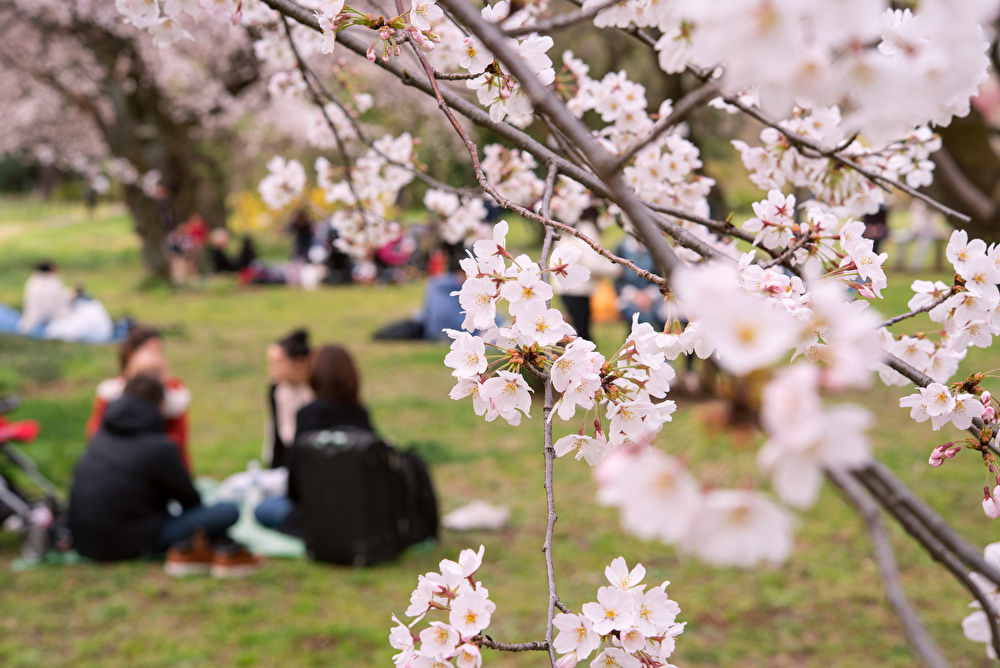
[(895, 594), (546, 102), (889, 499)]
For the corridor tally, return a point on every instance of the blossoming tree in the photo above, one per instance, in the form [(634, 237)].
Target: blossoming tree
[(88, 92), (847, 94)]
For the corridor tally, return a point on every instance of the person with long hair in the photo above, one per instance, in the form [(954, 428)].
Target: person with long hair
[(288, 363), (335, 381)]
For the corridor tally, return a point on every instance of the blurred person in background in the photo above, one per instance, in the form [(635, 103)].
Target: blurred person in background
[(334, 379), (142, 352), (123, 486), (45, 298), (288, 364)]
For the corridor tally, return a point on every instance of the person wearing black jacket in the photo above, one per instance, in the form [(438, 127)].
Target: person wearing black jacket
[(335, 381), (125, 479)]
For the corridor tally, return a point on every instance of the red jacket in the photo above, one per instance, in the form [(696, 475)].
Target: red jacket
[(175, 412)]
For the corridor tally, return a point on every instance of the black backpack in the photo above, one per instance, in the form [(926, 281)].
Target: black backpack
[(360, 500)]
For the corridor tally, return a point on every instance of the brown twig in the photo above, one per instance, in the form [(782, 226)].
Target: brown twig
[(899, 318), (487, 641)]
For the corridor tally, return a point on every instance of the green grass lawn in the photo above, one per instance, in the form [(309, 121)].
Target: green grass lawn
[(824, 608)]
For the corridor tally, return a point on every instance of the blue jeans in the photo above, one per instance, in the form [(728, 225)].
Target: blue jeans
[(273, 512), (213, 520)]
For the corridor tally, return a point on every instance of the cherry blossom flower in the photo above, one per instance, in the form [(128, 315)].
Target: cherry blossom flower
[(612, 657), (614, 610), (468, 563), (544, 326), (527, 287), (470, 613), (588, 448), (507, 393), (478, 300), (620, 577), (469, 656), (739, 528), (438, 640), (423, 12), (576, 634), (467, 355), (960, 250)]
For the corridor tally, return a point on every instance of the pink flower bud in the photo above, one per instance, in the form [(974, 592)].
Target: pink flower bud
[(985, 397), (371, 53), (935, 458), (989, 414), (990, 506), (951, 452), (567, 660), (866, 291)]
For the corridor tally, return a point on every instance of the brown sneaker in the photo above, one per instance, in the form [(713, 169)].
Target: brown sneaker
[(192, 557), (235, 561)]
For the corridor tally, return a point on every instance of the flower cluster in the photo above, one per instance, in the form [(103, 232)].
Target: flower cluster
[(632, 626), (665, 172), (495, 87), (798, 50), (467, 603), (658, 498), (630, 386), (284, 183), (463, 217), (777, 162), (937, 404)]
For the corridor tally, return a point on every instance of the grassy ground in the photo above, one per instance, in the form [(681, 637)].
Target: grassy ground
[(824, 608)]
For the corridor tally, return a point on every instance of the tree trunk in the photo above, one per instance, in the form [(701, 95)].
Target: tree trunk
[(150, 230), (142, 131)]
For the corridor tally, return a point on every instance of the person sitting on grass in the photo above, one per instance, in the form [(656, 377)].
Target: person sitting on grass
[(124, 483), (335, 381), (288, 364), (142, 352)]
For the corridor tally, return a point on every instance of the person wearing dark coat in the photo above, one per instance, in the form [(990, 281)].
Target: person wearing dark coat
[(124, 481), (334, 379)]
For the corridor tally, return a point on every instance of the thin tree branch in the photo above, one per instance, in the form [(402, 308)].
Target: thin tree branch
[(544, 101), (787, 254), (314, 94), (895, 594), (549, 453), (487, 641), (455, 76), (899, 318), (816, 150), (721, 228)]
